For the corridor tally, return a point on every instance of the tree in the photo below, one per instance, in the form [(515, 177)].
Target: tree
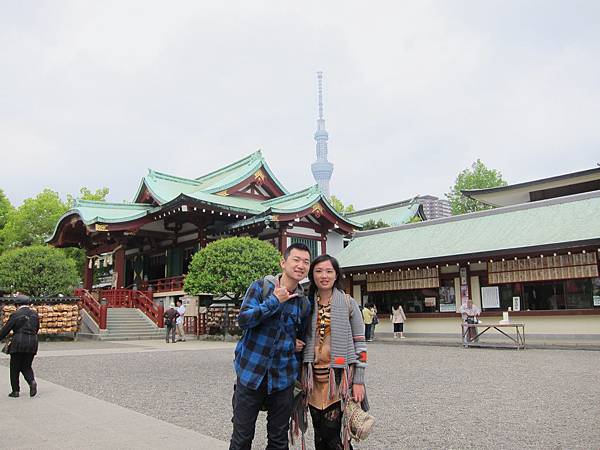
[(478, 176), (33, 221), (228, 266), (371, 224), (85, 194), (37, 270), (5, 209), (339, 206)]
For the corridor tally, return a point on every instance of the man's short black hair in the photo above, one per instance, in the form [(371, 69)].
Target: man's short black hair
[(297, 246)]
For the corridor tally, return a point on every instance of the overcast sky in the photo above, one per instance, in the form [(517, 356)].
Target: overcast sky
[(95, 93)]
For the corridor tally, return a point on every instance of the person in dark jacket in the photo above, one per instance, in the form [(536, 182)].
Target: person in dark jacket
[(170, 317), (25, 324)]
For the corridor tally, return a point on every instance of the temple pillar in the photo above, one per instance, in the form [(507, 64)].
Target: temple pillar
[(119, 268), (201, 237), (282, 239)]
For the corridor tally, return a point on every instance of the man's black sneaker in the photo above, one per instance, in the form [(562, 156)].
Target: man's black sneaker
[(13, 394)]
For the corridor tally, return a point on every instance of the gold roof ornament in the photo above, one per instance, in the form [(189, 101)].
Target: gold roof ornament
[(259, 177), (317, 210)]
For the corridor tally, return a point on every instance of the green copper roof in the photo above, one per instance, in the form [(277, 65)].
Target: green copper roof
[(106, 212), (232, 174), (543, 223), (301, 200), (394, 214), (165, 187), (168, 189), (245, 205)]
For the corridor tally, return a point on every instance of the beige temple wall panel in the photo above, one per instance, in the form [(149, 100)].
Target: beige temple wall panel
[(540, 325), (457, 293), (559, 325), (451, 325), (475, 291), (356, 294)]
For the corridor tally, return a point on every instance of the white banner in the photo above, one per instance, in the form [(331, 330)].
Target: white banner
[(490, 297)]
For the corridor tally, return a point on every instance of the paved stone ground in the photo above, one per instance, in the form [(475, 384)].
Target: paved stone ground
[(423, 397)]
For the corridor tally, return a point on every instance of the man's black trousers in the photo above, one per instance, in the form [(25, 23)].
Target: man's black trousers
[(246, 405), (20, 363)]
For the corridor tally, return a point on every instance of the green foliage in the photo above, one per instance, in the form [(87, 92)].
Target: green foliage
[(5, 209), (228, 266), (33, 221), (85, 194), (478, 176), (339, 206), (371, 224), (37, 270), (78, 254)]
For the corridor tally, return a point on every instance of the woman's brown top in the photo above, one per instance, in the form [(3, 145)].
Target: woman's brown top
[(319, 397)]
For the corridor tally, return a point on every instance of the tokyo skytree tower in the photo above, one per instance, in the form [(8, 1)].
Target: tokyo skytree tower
[(321, 168)]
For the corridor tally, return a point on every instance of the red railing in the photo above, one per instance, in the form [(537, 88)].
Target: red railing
[(145, 304), (97, 311), (164, 284), (131, 298)]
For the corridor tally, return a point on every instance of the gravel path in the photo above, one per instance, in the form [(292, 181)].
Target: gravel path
[(422, 397)]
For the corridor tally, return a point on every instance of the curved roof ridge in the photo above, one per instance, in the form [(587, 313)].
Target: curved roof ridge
[(291, 196), (360, 212), (103, 204), (168, 177), (257, 155)]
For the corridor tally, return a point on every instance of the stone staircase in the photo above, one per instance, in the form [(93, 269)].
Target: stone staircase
[(130, 324)]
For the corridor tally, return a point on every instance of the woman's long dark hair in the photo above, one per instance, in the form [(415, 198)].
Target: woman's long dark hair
[(338, 274)]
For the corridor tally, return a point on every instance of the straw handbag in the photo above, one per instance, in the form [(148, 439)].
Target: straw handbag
[(359, 422)]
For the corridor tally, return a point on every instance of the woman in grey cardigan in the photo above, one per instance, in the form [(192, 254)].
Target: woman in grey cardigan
[(335, 355)]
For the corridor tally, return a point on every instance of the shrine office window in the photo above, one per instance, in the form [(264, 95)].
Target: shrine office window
[(310, 243)]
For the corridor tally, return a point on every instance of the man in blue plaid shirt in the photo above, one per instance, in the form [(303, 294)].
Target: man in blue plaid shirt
[(273, 314)]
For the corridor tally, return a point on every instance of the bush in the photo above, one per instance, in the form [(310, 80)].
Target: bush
[(37, 270)]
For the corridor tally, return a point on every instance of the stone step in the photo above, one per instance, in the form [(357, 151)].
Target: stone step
[(132, 336), (132, 320), (129, 324), (137, 329)]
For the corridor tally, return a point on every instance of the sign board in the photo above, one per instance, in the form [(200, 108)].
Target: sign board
[(447, 299), (430, 301), (596, 300), (490, 297), (191, 305), (516, 304)]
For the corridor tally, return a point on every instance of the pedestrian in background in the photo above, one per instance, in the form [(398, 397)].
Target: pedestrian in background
[(181, 311), (170, 317), (398, 317), (375, 320), (25, 324), (367, 314)]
